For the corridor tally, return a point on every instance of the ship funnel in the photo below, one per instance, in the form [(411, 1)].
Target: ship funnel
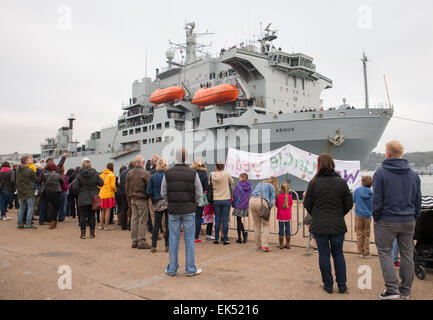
[(71, 120)]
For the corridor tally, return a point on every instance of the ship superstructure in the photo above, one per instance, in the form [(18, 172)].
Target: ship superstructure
[(259, 91)]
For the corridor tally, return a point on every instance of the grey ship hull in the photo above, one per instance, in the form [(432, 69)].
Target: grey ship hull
[(362, 129)]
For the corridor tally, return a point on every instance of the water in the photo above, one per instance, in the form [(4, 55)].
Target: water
[(426, 183)]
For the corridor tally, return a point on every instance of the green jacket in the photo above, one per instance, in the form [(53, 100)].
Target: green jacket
[(25, 180)]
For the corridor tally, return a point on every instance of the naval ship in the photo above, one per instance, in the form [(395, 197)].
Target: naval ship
[(252, 96)]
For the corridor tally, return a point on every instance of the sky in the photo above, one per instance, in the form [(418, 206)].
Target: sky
[(81, 57)]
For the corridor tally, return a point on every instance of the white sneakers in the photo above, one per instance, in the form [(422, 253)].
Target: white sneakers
[(6, 218), (199, 271), (210, 237)]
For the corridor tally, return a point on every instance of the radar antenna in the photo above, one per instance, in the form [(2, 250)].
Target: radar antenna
[(191, 46)]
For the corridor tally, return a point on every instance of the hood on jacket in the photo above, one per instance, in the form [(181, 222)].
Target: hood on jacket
[(5, 169), (399, 166), (246, 186), (218, 176), (87, 172), (106, 172), (365, 193)]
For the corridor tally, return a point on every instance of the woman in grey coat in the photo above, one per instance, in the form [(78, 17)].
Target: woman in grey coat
[(84, 187)]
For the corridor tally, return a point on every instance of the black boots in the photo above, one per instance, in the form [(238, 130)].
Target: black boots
[(239, 234), (92, 233), (245, 236), (83, 234)]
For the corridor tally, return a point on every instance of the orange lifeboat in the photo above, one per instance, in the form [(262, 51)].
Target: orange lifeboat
[(216, 95), (167, 95)]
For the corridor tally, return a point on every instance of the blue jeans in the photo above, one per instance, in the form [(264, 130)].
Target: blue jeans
[(26, 211), (5, 199), (63, 206), (282, 226), (222, 212), (331, 244), (395, 251), (175, 221)]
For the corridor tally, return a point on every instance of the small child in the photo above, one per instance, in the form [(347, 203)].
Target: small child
[(284, 214), (240, 203), (363, 199)]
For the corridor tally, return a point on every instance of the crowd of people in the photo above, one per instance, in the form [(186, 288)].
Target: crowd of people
[(152, 200)]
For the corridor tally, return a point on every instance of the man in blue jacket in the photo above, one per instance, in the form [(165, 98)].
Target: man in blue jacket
[(396, 206)]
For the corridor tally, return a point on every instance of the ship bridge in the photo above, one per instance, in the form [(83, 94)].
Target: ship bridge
[(298, 65)]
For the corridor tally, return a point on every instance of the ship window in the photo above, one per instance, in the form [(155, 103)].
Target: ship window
[(125, 133), (145, 141), (138, 130), (153, 127), (158, 140), (159, 126), (144, 129), (153, 140), (303, 84), (131, 131), (167, 124), (294, 82)]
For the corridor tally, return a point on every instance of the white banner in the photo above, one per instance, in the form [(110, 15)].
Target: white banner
[(288, 159)]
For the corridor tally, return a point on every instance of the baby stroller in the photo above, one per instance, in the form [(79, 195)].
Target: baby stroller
[(424, 239)]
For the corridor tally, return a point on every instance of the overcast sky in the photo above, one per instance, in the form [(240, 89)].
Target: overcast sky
[(81, 57)]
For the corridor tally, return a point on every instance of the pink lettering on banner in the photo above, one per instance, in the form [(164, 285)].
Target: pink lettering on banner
[(246, 167)]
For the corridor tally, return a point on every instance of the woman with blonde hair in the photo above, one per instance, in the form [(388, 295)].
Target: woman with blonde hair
[(263, 194), (107, 195), (200, 167), (159, 203), (284, 214)]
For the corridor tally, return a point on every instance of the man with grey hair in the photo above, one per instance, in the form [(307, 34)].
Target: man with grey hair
[(182, 188), (138, 200), (396, 206)]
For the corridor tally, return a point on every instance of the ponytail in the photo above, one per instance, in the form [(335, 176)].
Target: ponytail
[(286, 201)]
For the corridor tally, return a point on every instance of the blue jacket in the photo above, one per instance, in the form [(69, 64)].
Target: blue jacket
[(154, 186), (268, 193), (363, 199), (397, 192)]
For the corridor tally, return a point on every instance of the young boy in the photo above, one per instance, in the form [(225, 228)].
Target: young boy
[(363, 199)]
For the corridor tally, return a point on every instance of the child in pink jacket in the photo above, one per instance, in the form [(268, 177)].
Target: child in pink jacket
[(284, 214)]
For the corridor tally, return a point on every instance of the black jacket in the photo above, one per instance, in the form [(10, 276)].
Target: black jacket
[(181, 189), (203, 179), (85, 186), (7, 181), (52, 182), (328, 200), (122, 179)]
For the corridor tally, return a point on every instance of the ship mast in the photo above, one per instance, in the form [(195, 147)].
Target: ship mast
[(364, 63)]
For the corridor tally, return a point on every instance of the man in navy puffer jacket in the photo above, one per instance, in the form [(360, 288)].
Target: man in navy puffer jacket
[(396, 206)]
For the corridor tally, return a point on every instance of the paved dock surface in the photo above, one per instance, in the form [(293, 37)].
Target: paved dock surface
[(108, 268)]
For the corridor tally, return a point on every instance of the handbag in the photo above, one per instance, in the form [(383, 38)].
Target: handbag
[(264, 213), (308, 219), (41, 191), (160, 205), (203, 201), (96, 200)]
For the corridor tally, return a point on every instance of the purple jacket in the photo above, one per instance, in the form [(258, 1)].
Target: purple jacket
[(241, 195)]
